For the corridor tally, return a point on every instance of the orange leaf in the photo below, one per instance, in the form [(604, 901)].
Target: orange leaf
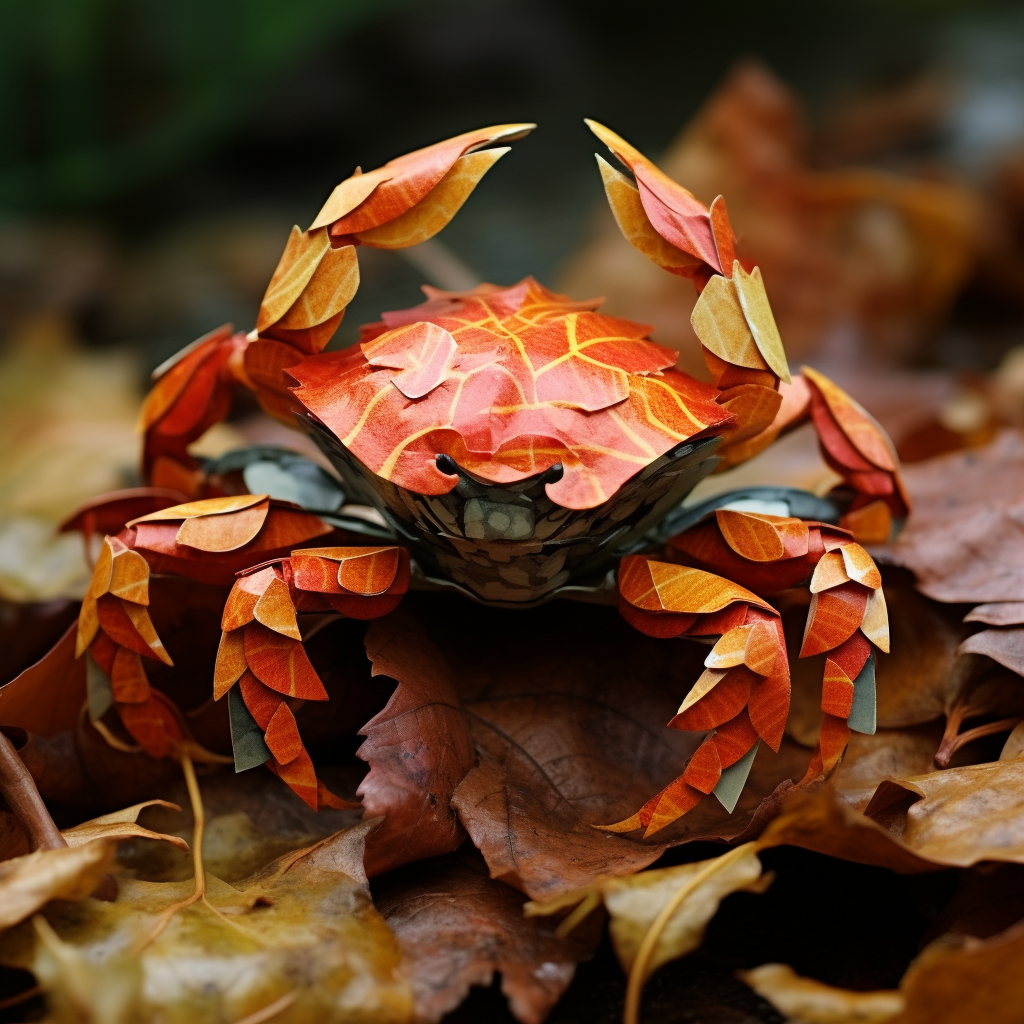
[(858, 425), (421, 354), (300, 776), (128, 678), (282, 735), (829, 572), (154, 724), (281, 663), (129, 625), (230, 662), (721, 327), (276, 611), (716, 697), (870, 524), (224, 532), (875, 625), (860, 566), (205, 507), (836, 691), (437, 207), (833, 616), (302, 254), (662, 586), (705, 767), (762, 538), (129, 573), (768, 706)]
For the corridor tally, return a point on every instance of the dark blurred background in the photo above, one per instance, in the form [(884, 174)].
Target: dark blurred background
[(156, 152)]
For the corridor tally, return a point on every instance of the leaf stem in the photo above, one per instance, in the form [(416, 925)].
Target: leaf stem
[(639, 971), (582, 911), (19, 790), (198, 825)]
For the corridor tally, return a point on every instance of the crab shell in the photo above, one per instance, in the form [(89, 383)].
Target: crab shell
[(515, 438)]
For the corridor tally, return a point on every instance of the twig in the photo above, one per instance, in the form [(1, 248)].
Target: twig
[(21, 997), (19, 790)]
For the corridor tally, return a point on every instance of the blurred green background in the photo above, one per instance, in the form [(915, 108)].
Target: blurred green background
[(158, 150)]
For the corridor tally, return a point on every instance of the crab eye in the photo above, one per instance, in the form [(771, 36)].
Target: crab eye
[(553, 474), (446, 464)]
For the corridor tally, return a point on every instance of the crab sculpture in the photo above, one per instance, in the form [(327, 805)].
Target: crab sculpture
[(514, 446)]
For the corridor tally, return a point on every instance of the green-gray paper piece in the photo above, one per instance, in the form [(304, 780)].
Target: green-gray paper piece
[(247, 742), (98, 691), (862, 713), (734, 778)]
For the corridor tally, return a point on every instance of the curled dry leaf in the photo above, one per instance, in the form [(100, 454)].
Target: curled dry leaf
[(961, 978), (122, 825), (635, 903), (1005, 646), (29, 882), (300, 935), (806, 1001), (889, 753), (959, 816), (955, 979), (457, 927)]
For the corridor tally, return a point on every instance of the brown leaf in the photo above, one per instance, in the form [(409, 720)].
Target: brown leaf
[(418, 748), (28, 883), (889, 753), (963, 539), (966, 979), (821, 821), (1003, 645), (569, 730), (959, 816), (48, 695), (457, 927)]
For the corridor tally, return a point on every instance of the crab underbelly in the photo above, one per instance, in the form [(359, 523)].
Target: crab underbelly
[(512, 545)]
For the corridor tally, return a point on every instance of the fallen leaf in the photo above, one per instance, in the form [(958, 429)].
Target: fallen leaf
[(635, 903), (122, 824), (29, 882), (959, 816), (457, 927), (418, 748), (301, 935), (567, 737), (1005, 646), (806, 1001), (889, 753), (963, 541)]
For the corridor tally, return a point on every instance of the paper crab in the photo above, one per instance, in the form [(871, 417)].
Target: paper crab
[(514, 446)]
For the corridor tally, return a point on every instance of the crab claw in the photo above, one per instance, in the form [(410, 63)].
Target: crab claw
[(668, 224), (412, 197)]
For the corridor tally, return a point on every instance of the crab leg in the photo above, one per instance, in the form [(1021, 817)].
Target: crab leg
[(741, 343), (744, 692), (401, 204), (261, 649)]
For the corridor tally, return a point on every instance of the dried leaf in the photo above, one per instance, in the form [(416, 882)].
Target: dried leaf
[(635, 903), (29, 882), (457, 927), (47, 697), (122, 824), (301, 933), (963, 540), (805, 1001)]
